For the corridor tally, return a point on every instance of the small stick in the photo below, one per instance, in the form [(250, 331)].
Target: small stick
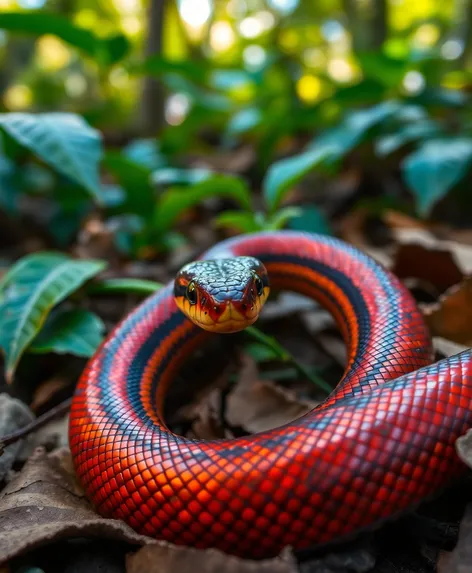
[(40, 421)]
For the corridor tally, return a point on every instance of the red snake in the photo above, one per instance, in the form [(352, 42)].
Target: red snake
[(380, 444)]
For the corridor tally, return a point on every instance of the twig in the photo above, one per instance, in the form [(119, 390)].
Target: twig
[(285, 356), (40, 421)]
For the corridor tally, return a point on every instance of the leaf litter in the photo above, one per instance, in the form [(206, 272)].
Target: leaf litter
[(43, 503)]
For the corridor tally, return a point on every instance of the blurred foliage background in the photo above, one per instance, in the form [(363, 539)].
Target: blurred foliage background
[(176, 102)]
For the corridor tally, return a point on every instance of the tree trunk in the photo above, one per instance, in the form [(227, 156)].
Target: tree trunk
[(352, 16), (466, 56), (153, 95), (378, 24)]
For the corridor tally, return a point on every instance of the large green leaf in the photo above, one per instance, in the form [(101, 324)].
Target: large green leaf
[(358, 125), (174, 201), (244, 121), (286, 172), (105, 51), (433, 169), (28, 292), (145, 152), (411, 132), (74, 331), (311, 219), (63, 140), (176, 176), (242, 221), (135, 178), (380, 66)]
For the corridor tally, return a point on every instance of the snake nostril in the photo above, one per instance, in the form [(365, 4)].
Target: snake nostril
[(244, 306)]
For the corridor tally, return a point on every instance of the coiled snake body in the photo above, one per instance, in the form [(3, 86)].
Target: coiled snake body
[(381, 443)]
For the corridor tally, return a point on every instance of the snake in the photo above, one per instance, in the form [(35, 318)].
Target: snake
[(379, 445)]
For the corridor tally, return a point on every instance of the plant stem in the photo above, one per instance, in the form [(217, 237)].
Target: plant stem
[(118, 286), (285, 356), (40, 421)]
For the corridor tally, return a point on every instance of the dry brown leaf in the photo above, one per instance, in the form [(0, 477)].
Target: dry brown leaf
[(447, 347), (208, 423), (47, 390), (234, 161), (464, 448), (462, 253), (436, 267), (172, 559), (352, 230), (451, 316), (44, 503), (257, 405), (459, 560), (14, 415)]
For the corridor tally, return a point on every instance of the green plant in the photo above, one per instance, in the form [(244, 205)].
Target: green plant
[(40, 315)]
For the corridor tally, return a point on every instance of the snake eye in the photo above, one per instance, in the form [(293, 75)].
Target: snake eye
[(191, 293), (259, 284)]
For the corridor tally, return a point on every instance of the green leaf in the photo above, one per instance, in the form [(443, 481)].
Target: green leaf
[(311, 219), (63, 140), (441, 98), (244, 121), (8, 188), (135, 178), (421, 130), (358, 125), (386, 69), (242, 221), (433, 169), (174, 176), (30, 289), (174, 201), (159, 66), (105, 51), (283, 174), (78, 332), (261, 352), (280, 219), (229, 79), (127, 285), (145, 152)]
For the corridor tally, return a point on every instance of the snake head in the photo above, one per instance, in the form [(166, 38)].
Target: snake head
[(222, 295)]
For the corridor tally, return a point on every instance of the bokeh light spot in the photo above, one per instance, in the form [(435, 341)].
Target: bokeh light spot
[(309, 88), (18, 97)]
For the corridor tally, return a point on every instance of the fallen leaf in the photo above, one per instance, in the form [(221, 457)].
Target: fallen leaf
[(53, 435), (257, 405), (45, 503), (208, 424), (435, 266), (356, 560), (47, 390), (14, 414), (172, 559), (451, 316), (352, 230), (460, 559), (464, 448), (234, 161), (447, 347), (96, 240), (461, 253)]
